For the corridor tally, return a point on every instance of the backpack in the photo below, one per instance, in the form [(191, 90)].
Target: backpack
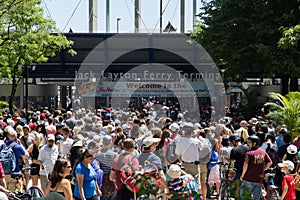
[(171, 156), (127, 173), (273, 155), (8, 158)]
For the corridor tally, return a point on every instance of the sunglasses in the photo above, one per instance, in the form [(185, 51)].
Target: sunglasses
[(68, 166)]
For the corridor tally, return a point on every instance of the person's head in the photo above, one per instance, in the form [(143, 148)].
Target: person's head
[(87, 156), (106, 141), (253, 142), (26, 130), (188, 129), (61, 169), (292, 149), (225, 141), (234, 139), (244, 124), (50, 140), (66, 131), (94, 147), (174, 128), (174, 171), (11, 134), (287, 138), (149, 144), (286, 166), (128, 145)]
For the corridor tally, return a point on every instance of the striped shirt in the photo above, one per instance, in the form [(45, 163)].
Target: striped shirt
[(106, 158)]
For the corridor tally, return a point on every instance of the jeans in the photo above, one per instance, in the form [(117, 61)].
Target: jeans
[(250, 187)]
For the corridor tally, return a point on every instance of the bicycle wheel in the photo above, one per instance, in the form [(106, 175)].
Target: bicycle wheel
[(273, 194), (224, 191)]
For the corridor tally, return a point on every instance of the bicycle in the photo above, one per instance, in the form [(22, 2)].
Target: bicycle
[(270, 190), (227, 175)]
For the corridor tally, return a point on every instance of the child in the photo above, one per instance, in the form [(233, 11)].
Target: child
[(181, 184), (288, 189)]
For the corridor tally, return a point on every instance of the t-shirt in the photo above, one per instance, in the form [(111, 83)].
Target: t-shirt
[(184, 186), (2, 174), (256, 160), (48, 156), (89, 184), (65, 146), (149, 158), (238, 154), (289, 180), (106, 158)]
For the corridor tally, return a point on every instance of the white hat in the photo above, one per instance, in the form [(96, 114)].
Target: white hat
[(125, 127), (174, 127), (292, 149), (51, 137), (287, 163), (148, 141), (174, 171)]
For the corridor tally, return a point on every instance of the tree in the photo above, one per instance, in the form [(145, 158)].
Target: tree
[(285, 111), (26, 37), (244, 35)]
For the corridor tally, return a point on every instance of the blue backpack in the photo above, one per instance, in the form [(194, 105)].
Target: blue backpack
[(8, 158)]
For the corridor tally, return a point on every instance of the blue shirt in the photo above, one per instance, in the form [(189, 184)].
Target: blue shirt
[(89, 184), (18, 151), (98, 171)]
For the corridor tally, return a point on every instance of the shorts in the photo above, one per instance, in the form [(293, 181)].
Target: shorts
[(35, 170)]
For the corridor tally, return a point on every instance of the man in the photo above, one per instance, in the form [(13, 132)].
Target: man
[(243, 131), (237, 154), (65, 144), (256, 162), (147, 158), (188, 150), (47, 157), (19, 152), (105, 157), (115, 175)]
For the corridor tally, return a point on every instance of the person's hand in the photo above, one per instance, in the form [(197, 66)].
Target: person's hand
[(241, 178), (99, 193)]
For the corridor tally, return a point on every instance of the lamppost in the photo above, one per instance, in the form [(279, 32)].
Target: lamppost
[(118, 20)]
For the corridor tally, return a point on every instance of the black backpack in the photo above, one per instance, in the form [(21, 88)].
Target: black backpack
[(171, 156)]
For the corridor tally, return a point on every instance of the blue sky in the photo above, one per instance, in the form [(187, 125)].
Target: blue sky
[(61, 11)]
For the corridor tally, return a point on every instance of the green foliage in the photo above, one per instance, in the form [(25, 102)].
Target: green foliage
[(290, 37), (285, 111), (26, 37), (244, 35)]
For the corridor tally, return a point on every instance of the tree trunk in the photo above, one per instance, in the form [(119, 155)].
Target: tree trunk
[(13, 91), (294, 84), (284, 84)]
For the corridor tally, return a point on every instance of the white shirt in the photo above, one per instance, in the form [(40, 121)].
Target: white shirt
[(65, 146), (48, 157), (189, 149)]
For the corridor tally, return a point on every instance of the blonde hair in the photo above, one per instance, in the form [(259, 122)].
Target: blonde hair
[(19, 130), (38, 138)]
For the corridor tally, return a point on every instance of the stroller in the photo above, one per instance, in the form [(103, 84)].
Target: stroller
[(33, 193)]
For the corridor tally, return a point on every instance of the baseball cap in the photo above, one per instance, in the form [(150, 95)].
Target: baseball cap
[(174, 127), (51, 137), (148, 141), (287, 163), (125, 127)]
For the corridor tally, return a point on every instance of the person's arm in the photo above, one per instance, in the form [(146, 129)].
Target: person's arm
[(112, 175), (80, 178), (47, 191), (30, 148), (67, 189), (3, 182), (285, 190), (268, 165), (245, 167), (98, 191)]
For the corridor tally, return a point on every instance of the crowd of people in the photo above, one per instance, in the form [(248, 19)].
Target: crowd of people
[(97, 154)]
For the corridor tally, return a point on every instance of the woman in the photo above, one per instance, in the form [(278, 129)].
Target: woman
[(57, 182), (34, 150), (86, 187)]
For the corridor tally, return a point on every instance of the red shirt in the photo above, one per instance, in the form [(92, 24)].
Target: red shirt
[(2, 174), (289, 180)]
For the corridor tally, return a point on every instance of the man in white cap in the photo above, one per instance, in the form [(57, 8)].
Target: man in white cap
[(47, 157), (147, 158)]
